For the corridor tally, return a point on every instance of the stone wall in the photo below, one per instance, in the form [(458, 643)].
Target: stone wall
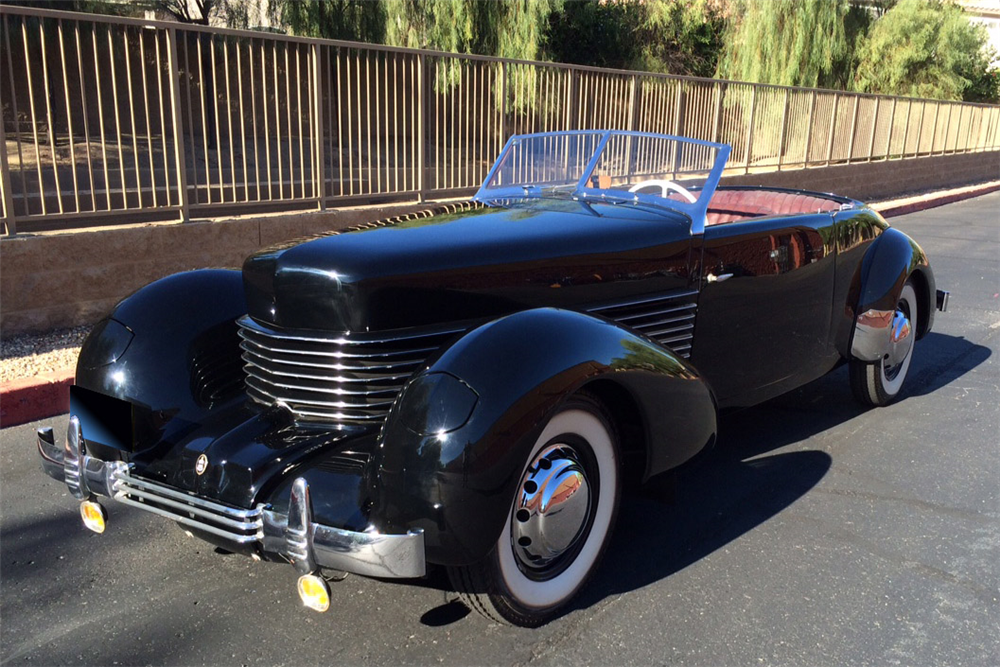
[(49, 281), (60, 280)]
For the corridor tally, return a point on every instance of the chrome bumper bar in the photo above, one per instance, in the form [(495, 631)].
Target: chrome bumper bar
[(295, 536)]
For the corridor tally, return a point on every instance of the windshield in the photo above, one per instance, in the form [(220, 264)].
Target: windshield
[(639, 168)]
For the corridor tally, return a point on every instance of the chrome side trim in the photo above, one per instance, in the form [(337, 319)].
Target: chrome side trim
[(871, 334)]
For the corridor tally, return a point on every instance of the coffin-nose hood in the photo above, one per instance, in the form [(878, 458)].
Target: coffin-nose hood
[(478, 263)]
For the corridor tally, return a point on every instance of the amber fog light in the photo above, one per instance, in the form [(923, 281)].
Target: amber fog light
[(94, 515), (314, 592)]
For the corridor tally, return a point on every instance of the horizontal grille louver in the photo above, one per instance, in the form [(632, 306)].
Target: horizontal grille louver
[(344, 378), (668, 319)]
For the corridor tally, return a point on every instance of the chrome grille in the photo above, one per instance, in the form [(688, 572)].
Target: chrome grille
[(232, 523), (668, 319), (346, 378)]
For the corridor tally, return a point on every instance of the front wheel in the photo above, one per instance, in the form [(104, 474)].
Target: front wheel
[(879, 383), (558, 525)]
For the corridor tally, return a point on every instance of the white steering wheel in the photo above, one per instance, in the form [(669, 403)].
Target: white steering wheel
[(665, 185)]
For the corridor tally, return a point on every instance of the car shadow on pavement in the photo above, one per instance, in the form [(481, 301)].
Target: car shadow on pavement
[(680, 518)]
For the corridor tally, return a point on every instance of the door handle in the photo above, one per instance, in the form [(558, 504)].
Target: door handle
[(722, 277)]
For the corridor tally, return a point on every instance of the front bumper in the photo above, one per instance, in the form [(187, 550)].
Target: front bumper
[(293, 536)]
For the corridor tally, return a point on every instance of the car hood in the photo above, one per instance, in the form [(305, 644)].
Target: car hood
[(473, 264)]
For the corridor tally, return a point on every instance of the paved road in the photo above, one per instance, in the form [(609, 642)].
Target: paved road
[(816, 534)]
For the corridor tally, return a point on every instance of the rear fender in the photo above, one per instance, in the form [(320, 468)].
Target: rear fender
[(892, 259), (451, 453)]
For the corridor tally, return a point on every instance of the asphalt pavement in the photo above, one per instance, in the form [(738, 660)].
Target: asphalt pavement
[(817, 533)]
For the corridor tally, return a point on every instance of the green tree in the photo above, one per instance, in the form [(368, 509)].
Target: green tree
[(680, 37), (787, 42), (670, 36), (505, 28), (925, 48), (355, 20)]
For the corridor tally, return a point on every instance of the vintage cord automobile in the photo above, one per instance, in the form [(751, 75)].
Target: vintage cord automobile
[(473, 389)]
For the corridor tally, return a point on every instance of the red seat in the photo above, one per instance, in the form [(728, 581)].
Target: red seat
[(733, 205)]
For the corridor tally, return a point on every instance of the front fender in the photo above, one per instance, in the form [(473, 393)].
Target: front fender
[(171, 350), (458, 485), (892, 259)]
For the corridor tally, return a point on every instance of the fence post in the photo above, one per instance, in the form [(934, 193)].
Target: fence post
[(809, 129), (833, 127), (854, 127), (7, 195), (174, 74), (571, 109), (318, 132), (871, 139), (784, 131), (633, 108), (749, 142), (717, 119), (906, 129), (421, 102), (892, 127)]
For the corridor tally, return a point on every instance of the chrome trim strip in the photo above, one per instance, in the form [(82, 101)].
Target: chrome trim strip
[(337, 367), (328, 404), (669, 330), (644, 300), (200, 525), (339, 355), (170, 492), (667, 320), (248, 323), (331, 378), (128, 492), (251, 371)]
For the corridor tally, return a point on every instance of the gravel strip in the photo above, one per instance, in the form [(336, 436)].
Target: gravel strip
[(29, 355)]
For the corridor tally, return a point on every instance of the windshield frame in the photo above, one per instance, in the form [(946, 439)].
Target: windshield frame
[(583, 190)]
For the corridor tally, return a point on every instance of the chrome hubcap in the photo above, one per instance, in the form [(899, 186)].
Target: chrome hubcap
[(552, 507), (900, 342)]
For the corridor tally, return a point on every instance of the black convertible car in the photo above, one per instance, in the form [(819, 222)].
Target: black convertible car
[(473, 388)]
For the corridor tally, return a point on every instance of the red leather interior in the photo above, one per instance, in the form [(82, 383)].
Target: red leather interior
[(732, 205)]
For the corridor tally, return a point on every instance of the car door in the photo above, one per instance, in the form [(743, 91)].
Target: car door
[(764, 315)]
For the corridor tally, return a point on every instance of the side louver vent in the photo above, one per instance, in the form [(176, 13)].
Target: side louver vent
[(668, 319)]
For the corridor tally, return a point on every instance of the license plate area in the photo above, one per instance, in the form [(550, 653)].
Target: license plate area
[(107, 421)]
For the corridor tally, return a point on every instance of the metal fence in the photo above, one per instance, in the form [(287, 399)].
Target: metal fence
[(116, 120)]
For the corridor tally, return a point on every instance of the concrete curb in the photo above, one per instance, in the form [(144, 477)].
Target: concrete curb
[(27, 400), (46, 395), (895, 207)]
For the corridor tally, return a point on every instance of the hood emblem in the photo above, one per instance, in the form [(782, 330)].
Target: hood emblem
[(201, 465)]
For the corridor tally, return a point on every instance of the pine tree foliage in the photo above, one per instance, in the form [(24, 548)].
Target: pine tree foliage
[(786, 42), (924, 48)]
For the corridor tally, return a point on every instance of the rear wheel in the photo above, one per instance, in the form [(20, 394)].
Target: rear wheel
[(879, 383), (558, 525)]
